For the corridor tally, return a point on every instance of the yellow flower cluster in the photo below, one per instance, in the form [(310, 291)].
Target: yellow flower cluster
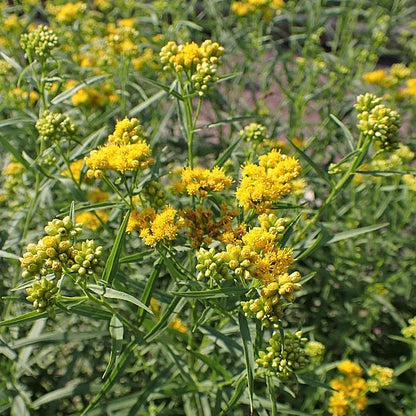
[(410, 89), (120, 153), (199, 181), (380, 377), (387, 79), (267, 182), (123, 40), (68, 12), (257, 255), (154, 227), (199, 62), (410, 331), (266, 8), (94, 97), (351, 390)]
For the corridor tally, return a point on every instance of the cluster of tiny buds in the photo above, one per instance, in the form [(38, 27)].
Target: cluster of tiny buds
[(39, 43), (239, 260), (153, 193), (254, 132), (51, 251), (55, 126), (42, 294), (378, 121), (199, 62), (85, 258), (284, 357), (274, 224), (267, 310), (127, 131), (210, 265)]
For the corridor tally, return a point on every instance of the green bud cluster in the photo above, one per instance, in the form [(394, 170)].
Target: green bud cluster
[(377, 121), (274, 224), (54, 254), (254, 132), (127, 131), (39, 43), (210, 265), (240, 260), (5, 67), (153, 193), (57, 251), (42, 294), (268, 310), (284, 357), (55, 126), (206, 74), (85, 258)]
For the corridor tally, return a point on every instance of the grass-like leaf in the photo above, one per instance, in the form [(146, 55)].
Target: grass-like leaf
[(248, 355), (111, 266)]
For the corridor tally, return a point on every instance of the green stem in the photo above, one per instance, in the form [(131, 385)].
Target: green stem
[(344, 181)]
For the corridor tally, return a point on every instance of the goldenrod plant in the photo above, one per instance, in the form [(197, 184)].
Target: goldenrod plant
[(207, 208)]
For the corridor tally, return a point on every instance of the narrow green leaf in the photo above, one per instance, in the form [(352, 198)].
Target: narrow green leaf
[(347, 133), (321, 173), (110, 293), (170, 89), (222, 340), (7, 255), (345, 235), (212, 363), (313, 383), (111, 266), (12, 62), (147, 293), (248, 355), (174, 307), (17, 155), (133, 258), (142, 106), (86, 310), (114, 375), (27, 317), (227, 152), (69, 93), (57, 337), (211, 293), (239, 389), (116, 330)]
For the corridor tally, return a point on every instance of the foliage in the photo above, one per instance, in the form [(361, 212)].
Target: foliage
[(207, 207)]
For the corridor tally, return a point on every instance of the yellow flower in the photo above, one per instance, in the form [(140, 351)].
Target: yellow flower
[(13, 168), (140, 220), (380, 377), (349, 368), (127, 131), (410, 181), (378, 77), (122, 158), (91, 220), (411, 87), (338, 404), (75, 168), (200, 181), (67, 13), (267, 182), (163, 228)]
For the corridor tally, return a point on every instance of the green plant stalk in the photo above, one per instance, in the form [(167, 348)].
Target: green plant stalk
[(364, 143)]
